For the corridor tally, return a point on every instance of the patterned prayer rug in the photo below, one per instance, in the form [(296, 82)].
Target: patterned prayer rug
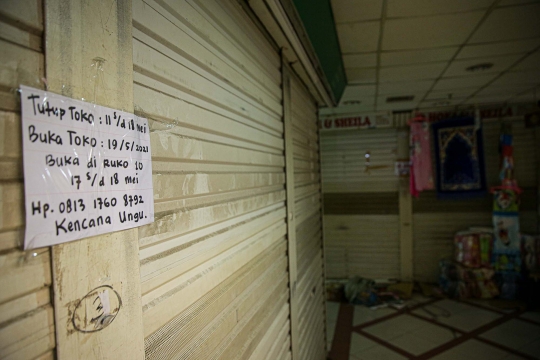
[(459, 158)]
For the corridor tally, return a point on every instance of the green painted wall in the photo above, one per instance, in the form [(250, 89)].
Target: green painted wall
[(319, 23)]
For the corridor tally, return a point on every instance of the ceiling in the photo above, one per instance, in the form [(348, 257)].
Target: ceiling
[(422, 48)]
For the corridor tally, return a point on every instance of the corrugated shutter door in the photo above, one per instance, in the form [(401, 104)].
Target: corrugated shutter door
[(361, 221), (362, 245), (436, 221), (344, 164), (213, 265), (310, 289), (26, 315)]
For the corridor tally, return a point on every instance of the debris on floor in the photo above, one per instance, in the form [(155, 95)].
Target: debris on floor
[(335, 290), (376, 295), (403, 289), (360, 291)]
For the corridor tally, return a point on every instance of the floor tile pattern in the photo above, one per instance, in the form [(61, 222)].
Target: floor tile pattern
[(427, 328)]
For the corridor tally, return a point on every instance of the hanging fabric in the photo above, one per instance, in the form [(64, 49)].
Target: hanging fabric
[(459, 158), (421, 172), (420, 141)]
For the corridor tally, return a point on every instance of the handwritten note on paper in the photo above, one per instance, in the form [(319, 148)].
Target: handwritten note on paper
[(87, 169)]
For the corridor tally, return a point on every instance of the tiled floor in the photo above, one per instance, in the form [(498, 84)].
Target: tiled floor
[(463, 317), (432, 329), (332, 310)]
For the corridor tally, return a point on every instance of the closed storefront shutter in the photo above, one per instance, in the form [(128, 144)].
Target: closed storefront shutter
[(346, 169), (214, 264), (26, 315), (307, 208), (360, 203)]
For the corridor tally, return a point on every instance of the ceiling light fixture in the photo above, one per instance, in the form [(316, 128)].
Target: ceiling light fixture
[(441, 103), (393, 99), (479, 67)]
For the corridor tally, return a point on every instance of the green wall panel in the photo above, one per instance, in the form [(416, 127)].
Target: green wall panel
[(319, 23)]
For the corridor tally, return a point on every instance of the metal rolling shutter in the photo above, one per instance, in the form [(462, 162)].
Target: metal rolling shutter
[(214, 264), (344, 163), (362, 245), (361, 221), (310, 289), (26, 314), (436, 221)]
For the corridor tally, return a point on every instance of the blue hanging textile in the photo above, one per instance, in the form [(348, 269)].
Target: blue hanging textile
[(459, 158)]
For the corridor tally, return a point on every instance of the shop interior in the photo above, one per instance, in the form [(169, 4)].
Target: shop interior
[(420, 262)]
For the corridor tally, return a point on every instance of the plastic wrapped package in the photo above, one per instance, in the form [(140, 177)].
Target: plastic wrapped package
[(460, 282), (530, 252), (486, 248), (508, 284), (467, 249), (487, 288)]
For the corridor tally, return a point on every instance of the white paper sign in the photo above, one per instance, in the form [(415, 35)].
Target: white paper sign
[(87, 169)]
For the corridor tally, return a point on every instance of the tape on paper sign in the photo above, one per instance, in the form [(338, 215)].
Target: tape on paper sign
[(87, 169)]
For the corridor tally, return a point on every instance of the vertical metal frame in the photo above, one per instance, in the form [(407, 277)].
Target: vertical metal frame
[(291, 216)]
